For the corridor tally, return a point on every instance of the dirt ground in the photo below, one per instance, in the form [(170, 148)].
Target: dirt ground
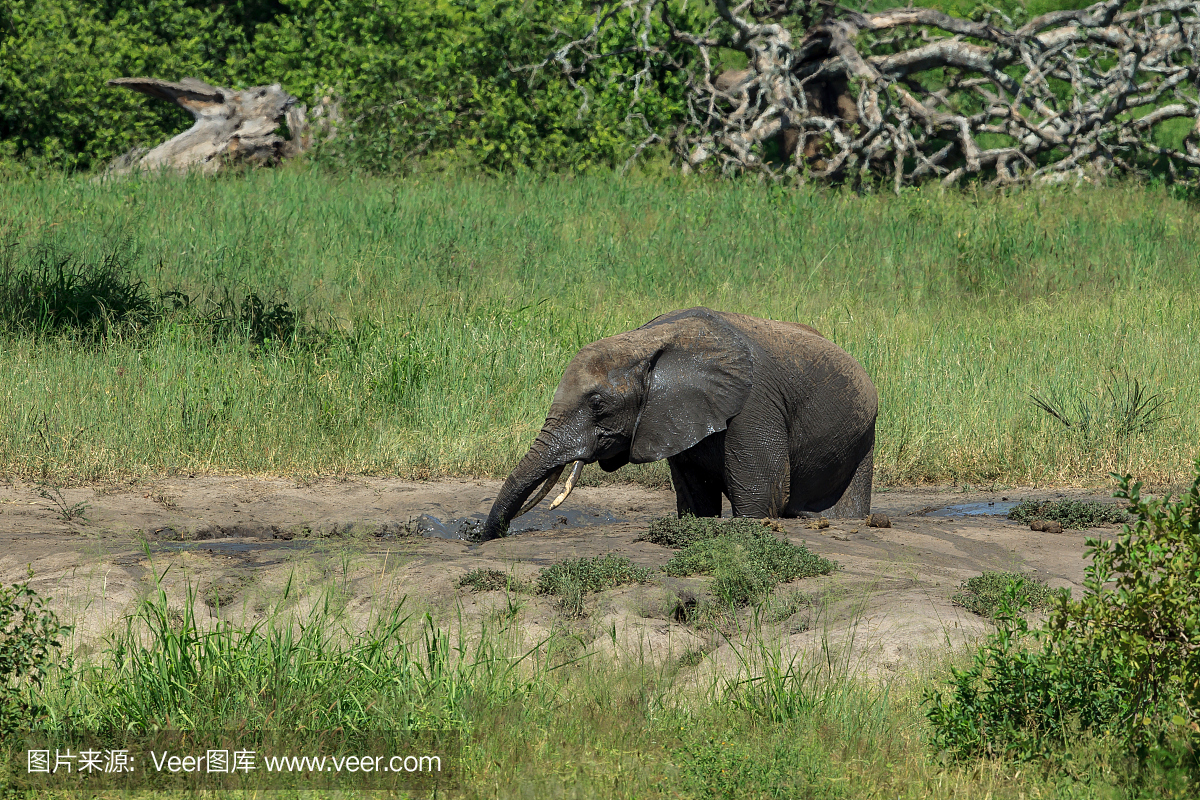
[(243, 544)]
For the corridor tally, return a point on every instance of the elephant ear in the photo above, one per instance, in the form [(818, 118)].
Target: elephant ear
[(698, 379)]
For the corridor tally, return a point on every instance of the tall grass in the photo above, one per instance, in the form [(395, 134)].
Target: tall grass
[(771, 725), (454, 304)]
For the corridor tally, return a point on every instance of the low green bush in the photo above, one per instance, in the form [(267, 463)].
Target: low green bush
[(592, 574), (29, 639), (984, 594), (1122, 661), (491, 580), (744, 557), (1077, 514), (572, 579), (679, 532)]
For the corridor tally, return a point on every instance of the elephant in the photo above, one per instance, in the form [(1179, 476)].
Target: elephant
[(771, 415)]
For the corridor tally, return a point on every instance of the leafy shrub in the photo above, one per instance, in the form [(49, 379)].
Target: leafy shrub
[(572, 579), (29, 635), (491, 580), (416, 78), (679, 532), (1077, 514), (1122, 660), (592, 574), (983, 595), (745, 559)]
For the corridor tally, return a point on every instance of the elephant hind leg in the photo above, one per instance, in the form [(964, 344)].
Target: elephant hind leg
[(855, 501), (852, 500)]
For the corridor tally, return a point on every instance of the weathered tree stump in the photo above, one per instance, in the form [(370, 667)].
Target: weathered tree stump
[(232, 127)]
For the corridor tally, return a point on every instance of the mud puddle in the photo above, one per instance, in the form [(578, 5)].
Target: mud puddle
[(467, 528), (975, 509), (377, 541), (239, 546)]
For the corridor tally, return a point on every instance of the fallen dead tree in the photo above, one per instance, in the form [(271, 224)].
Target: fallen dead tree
[(912, 93), (231, 126)]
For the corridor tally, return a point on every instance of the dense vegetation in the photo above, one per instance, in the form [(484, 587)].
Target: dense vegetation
[(420, 326), (422, 84), (1121, 662), (417, 78)]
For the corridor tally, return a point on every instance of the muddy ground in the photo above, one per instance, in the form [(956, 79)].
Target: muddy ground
[(241, 543)]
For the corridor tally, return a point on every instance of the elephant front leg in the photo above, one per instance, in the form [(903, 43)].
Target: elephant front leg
[(697, 491)]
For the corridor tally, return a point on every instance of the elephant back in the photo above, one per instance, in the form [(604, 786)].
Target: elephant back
[(817, 369)]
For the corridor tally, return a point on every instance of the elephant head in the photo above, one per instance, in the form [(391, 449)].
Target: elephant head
[(636, 397)]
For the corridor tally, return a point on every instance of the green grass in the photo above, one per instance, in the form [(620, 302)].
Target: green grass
[(983, 594), (572, 579), (771, 726), (1077, 514), (747, 561), (491, 580), (453, 304)]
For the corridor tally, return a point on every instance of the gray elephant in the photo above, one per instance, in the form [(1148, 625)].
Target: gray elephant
[(769, 414)]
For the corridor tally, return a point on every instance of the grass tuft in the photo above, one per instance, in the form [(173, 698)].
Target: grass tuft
[(592, 574), (1123, 407), (745, 559), (1075, 514), (59, 292), (491, 580), (982, 595), (574, 578)]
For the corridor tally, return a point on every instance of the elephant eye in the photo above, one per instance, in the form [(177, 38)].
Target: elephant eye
[(596, 402)]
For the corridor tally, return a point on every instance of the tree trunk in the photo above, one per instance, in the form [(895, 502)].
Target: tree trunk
[(232, 127)]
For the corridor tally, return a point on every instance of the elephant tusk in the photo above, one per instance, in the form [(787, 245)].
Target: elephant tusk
[(545, 490), (574, 476)]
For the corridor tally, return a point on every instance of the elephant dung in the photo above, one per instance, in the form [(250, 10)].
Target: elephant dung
[(878, 521), (818, 525), (1047, 525)]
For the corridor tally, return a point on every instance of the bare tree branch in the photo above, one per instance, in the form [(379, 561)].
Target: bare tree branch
[(913, 93)]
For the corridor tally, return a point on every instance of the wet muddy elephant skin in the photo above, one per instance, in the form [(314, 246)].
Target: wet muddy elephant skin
[(771, 415)]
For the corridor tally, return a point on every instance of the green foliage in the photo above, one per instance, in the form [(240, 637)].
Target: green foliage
[(572, 579), (1142, 602), (436, 81), (679, 532), (745, 559), (1122, 661), (592, 574), (61, 292), (415, 78), (55, 56), (29, 639), (491, 580), (1075, 514), (984, 594)]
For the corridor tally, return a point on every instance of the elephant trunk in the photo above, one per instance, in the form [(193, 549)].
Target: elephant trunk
[(543, 464)]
